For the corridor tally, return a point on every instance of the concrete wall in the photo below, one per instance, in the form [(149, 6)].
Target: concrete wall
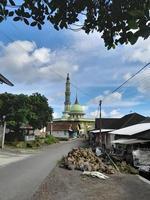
[(61, 134)]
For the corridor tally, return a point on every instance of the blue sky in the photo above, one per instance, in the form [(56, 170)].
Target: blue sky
[(38, 61)]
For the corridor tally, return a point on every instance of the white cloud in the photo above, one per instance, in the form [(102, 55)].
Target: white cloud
[(95, 114), (114, 100), (87, 43), (115, 113), (29, 64), (140, 82), (127, 76), (138, 52), (56, 115), (108, 98)]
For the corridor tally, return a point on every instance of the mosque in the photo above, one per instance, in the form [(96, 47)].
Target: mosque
[(73, 118)]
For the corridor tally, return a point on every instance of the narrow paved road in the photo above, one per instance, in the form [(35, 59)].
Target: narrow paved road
[(19, 180)]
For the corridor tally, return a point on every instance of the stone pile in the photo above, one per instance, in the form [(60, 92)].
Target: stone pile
[(84, 159)]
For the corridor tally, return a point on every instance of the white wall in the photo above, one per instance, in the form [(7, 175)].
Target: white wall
[(61, 134), (39, 132)]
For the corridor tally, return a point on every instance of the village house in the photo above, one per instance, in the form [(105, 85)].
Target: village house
[(110, 125)]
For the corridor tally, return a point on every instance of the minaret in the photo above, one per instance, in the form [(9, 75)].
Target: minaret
[(76, 101), (67, 102)]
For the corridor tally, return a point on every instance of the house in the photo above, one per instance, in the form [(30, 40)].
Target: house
[(62, 129), (133, 142), (107, 125), (132, 134)]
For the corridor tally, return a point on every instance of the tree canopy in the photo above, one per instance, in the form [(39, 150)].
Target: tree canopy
[(22, 110), (118, 21)]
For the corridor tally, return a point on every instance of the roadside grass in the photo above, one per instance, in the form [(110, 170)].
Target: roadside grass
[(37, 143)]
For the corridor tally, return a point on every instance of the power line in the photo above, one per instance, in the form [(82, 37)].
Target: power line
[(57, 73), (62, 77), (126, 81)]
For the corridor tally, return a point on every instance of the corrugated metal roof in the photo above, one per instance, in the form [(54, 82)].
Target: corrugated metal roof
[(102, 130), (129, 141), (132, 130)]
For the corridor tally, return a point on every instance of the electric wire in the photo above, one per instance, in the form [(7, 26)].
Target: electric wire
[(57, 73), (125, 82), (74, 85)]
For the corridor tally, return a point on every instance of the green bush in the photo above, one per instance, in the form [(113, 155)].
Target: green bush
[(20, 144), (23, 144), (33, 144), (40, 140), (50, 139)]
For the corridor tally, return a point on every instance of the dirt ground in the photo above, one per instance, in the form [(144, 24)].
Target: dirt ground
[(63, 184)]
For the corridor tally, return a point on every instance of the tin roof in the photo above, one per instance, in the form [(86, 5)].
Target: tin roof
[(132, 130), (129, 141)]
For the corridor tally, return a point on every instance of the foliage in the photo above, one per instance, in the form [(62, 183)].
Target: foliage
[(41, 112), (38, 142), (33, 144), (50, 139), (21, 110), (118, 21), (126, 168), (24, 144), (20, 144)]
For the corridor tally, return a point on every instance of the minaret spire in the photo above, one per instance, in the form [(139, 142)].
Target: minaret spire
[(76, 101), (67, 102)]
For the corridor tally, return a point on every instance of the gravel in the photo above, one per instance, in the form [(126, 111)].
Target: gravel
[(64, 184)]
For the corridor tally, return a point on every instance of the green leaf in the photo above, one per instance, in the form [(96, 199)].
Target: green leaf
[(27, 15), (133, 39), (39, 26), (133, 24), (33, 23), (136, 13), (26, 21), (56, 27), (1, 18), (16, 18), (11, 13), (12, 2)]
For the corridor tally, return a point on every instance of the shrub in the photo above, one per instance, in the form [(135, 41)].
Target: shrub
[(33, 144), (50, 139)]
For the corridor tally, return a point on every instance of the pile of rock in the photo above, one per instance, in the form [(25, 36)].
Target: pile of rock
[(85, 160)]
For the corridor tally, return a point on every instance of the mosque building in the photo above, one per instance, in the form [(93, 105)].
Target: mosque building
[(73, 118)]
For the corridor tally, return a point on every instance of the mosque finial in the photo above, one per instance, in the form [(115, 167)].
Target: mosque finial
[(76, 101), (68, 76)]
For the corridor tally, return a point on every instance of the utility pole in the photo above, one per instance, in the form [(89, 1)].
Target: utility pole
[(51, 127), (100, 120), (4, 130)]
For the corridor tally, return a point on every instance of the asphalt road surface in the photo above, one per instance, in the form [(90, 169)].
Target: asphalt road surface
[(20, 180)]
